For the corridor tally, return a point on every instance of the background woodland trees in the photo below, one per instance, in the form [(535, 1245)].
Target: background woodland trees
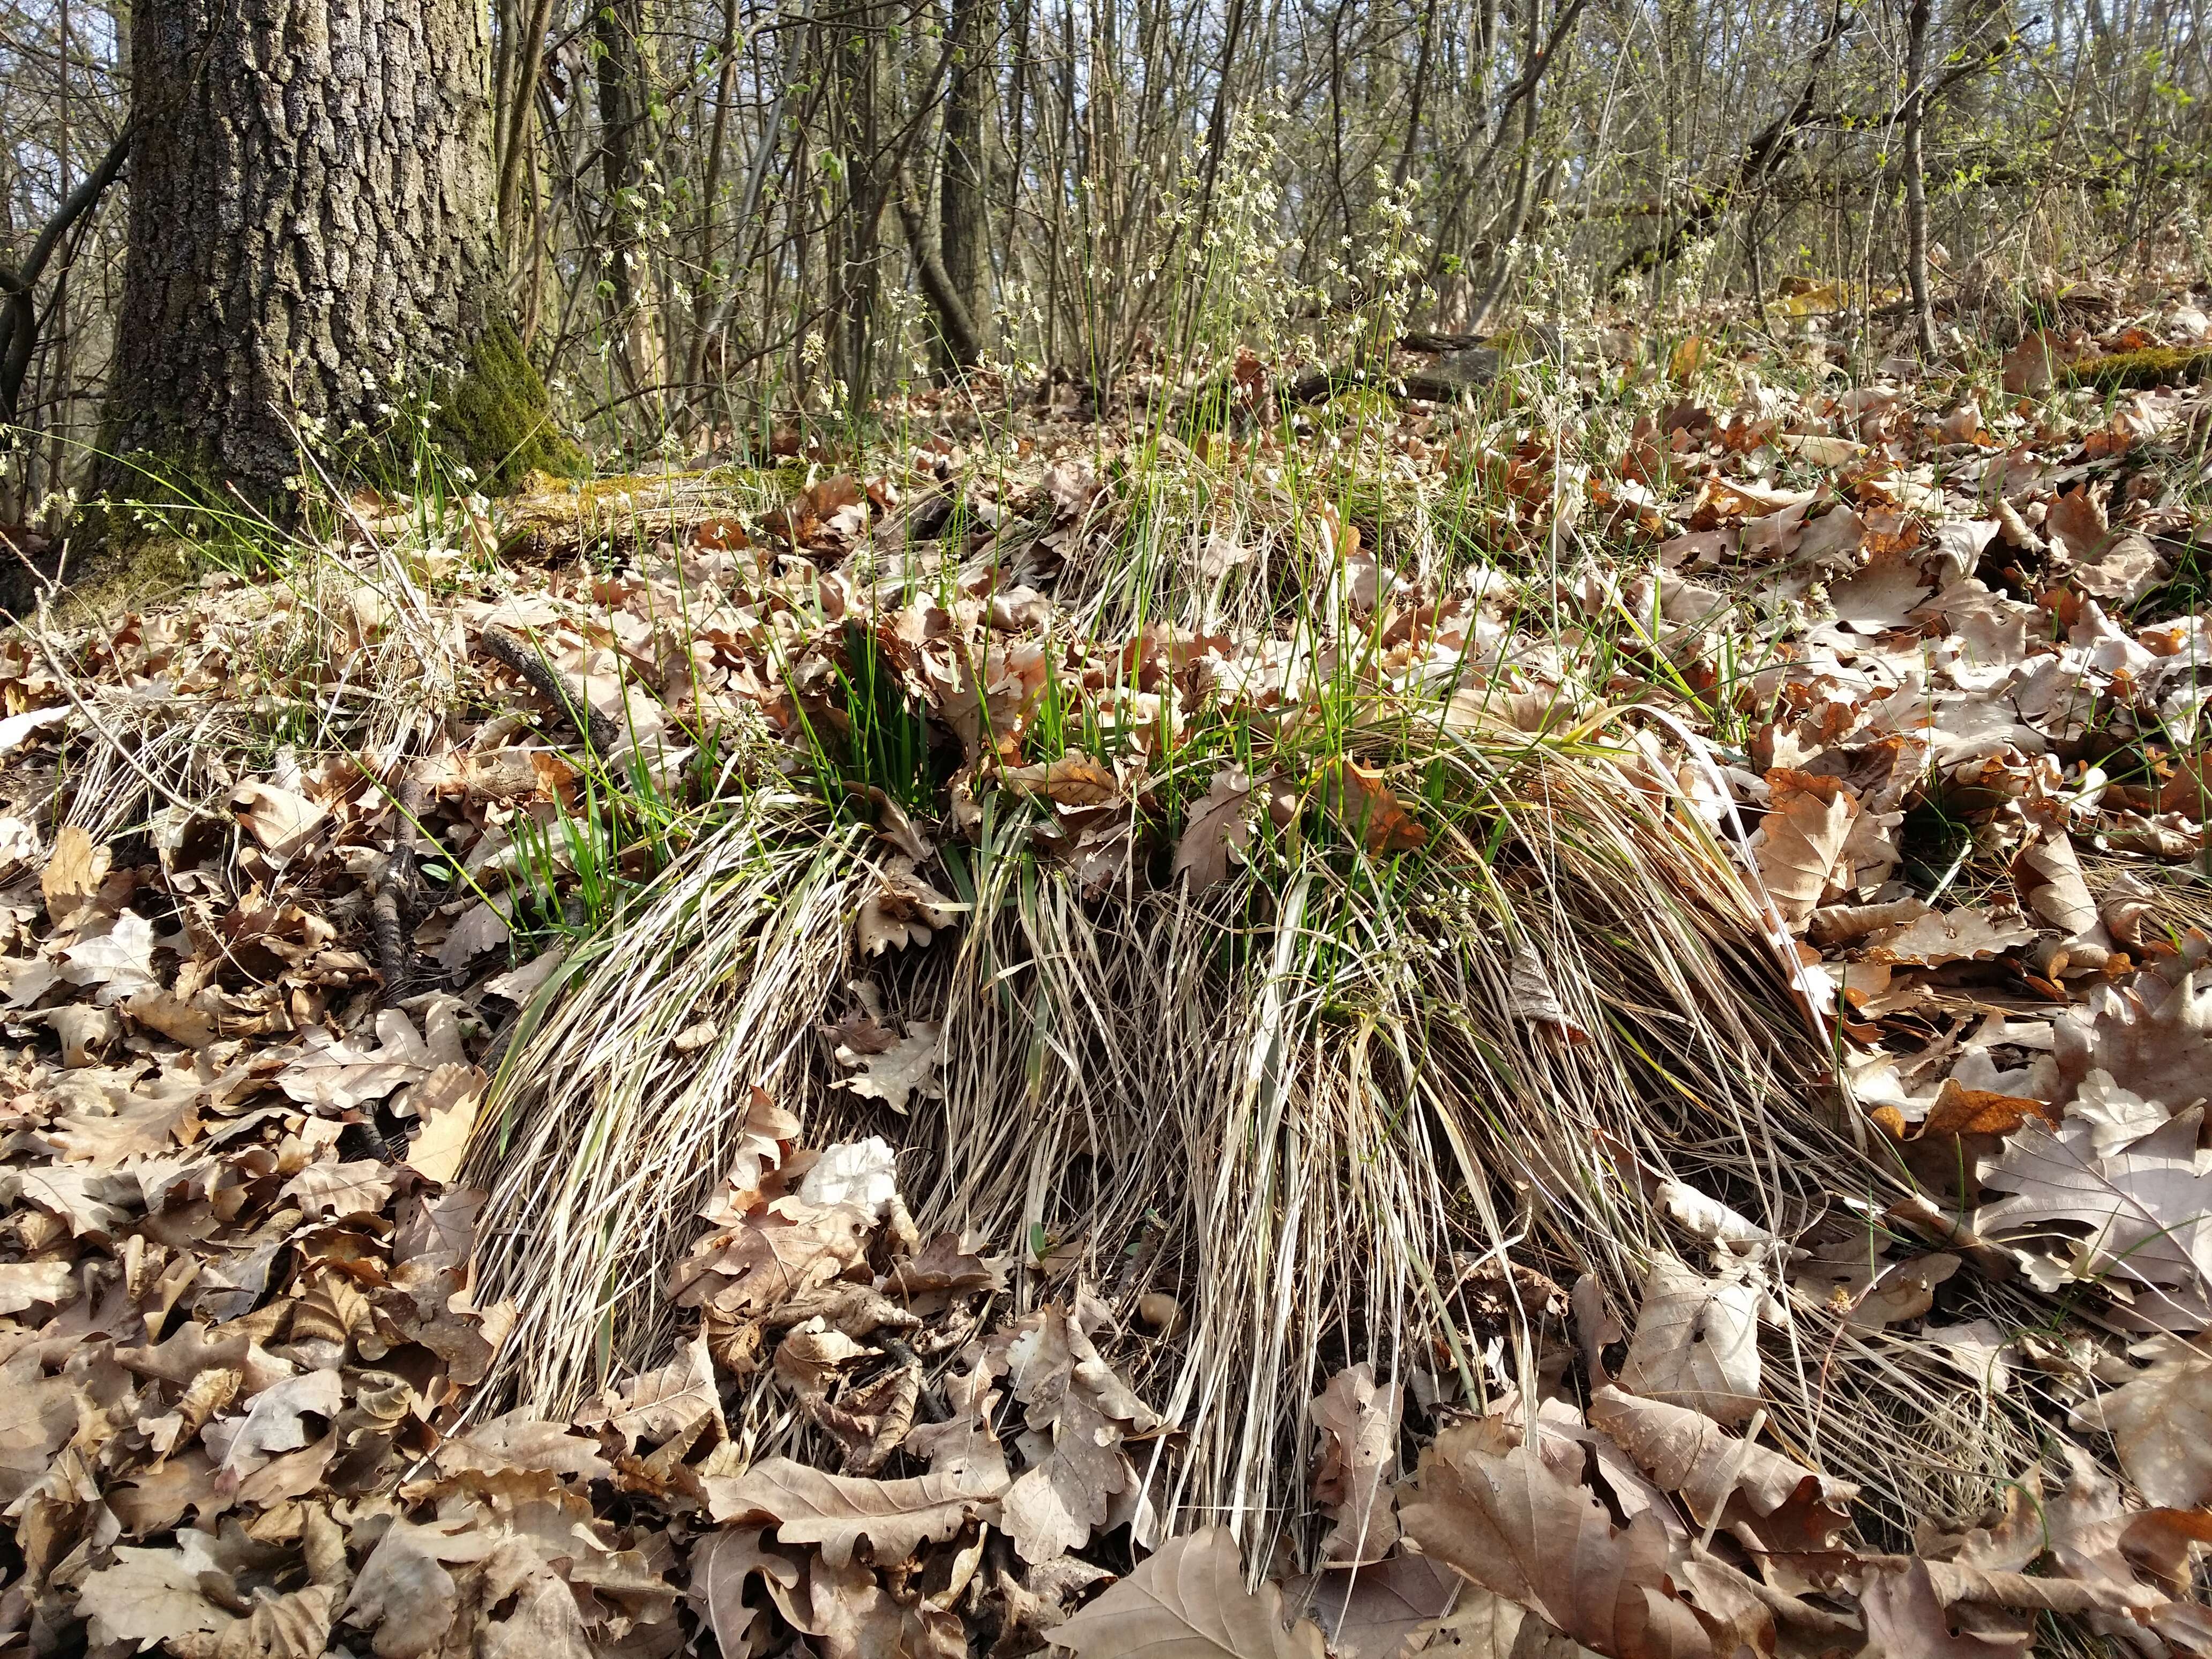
[(717, 212)]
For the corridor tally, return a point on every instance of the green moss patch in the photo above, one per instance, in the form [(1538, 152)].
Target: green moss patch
[(119, 576)]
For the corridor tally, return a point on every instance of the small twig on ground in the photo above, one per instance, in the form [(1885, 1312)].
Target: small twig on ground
[(599, 731), (388, 922)]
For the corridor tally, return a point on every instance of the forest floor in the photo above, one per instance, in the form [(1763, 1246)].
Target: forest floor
[(1576, 1019)]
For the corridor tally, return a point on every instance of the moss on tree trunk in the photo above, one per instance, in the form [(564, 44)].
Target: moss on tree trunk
[(495, 416)]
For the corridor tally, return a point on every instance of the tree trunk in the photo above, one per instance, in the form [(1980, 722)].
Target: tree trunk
[(856, 43), (312, 213), (1916, 177), (515, 110), (625, 144), (961, 233)]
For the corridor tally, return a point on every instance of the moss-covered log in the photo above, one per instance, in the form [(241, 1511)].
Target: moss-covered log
[(2132, 371)]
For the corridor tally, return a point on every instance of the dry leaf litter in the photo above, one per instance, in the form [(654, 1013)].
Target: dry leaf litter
[(310, 1013)]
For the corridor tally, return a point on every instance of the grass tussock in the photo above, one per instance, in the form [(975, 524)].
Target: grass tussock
[(610, 1118)]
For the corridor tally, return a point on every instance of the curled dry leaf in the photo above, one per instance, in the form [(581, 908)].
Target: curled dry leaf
[(763, 1260), (965, 1438), (722, 1567), (74, 872), (1358, 1420), (1905, 1291), (1484, 1625), (2076, 523), (340, 1074), (1705, 1217), (906, 910), (895, 1074), (294, 1625), (1696, 1342), (2129, 906), (182, 1599), (446, 1102), (1189, 1601), (1376, 1611), (2148, 1037), (1847, 924), (1218, 824), (1492, 1510), (1530, 995), (662, 1404), (946, 1264), (481, 927), (1073, 780), (1781, 1505), (342, 1190), (1362, 801), (769, 1129), (1906, 1620), (26, 1284), (837, 1512), (1799, 844), (119, 963), (281, 820), (2143, 1212), (19, 846), (1078, 1413), (518, 985), (519, 1440), (2129, 566), (1932, 940), (2161, 1422), (273, 1424), (2131, 1560), (2051, 884), (870, 1422), (404, 1592)]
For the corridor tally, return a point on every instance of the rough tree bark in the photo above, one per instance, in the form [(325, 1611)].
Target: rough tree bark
[(311, 209)]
